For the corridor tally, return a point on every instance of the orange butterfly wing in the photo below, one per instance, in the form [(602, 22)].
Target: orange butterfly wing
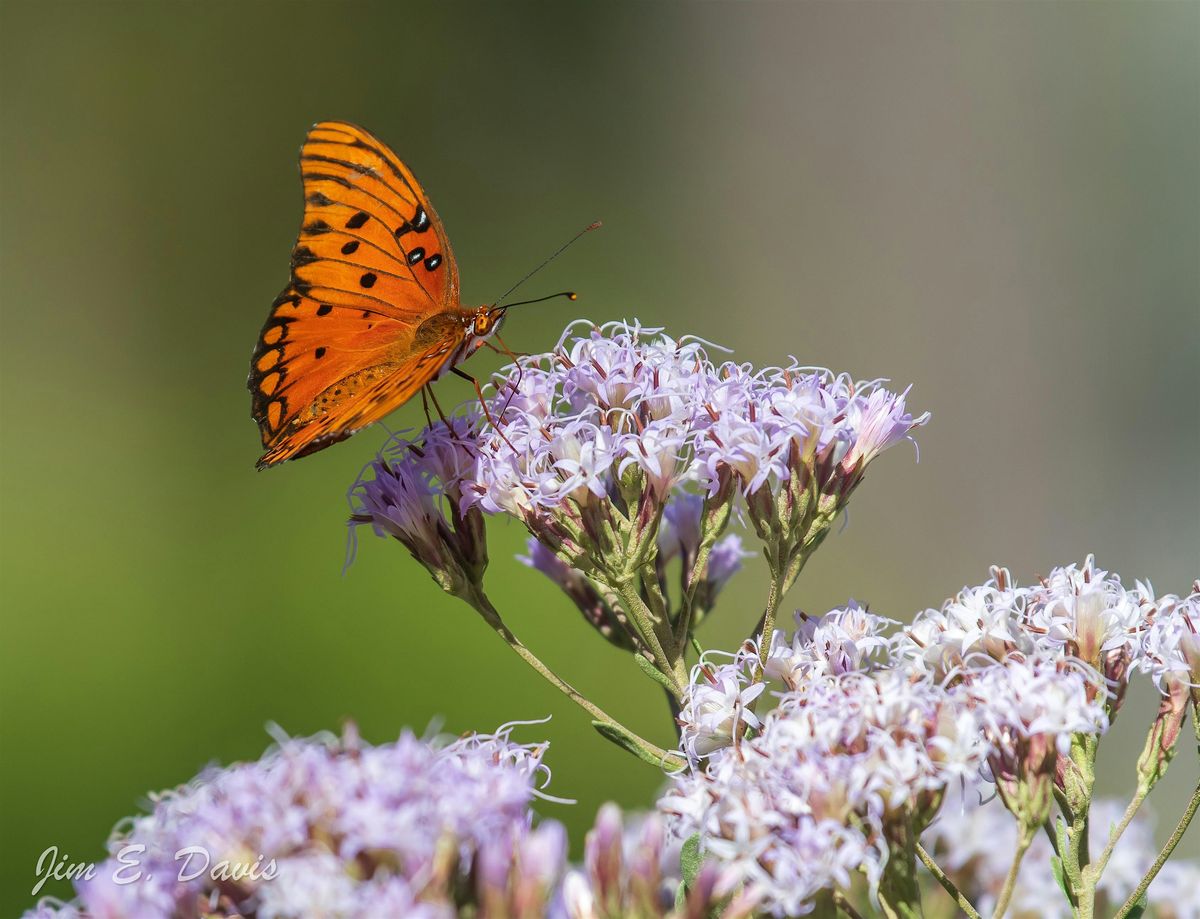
[(372, 311)]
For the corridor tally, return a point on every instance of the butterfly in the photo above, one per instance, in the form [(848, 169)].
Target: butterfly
[(371, 313)]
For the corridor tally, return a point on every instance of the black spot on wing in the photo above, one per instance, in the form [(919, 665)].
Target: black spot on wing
[(302, 255)]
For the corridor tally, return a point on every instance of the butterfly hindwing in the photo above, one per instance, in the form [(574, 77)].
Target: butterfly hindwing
[(322, 372), (344, 344)]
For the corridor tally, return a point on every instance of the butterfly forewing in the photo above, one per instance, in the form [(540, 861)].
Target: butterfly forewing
[(361, 191), (341, 347)]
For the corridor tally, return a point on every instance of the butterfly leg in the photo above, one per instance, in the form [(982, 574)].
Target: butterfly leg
[(504, 349), (512, 391), (425, 405), (436, 405), (483, 404)]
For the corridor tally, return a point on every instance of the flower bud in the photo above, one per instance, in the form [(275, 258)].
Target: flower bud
[(415, 496)]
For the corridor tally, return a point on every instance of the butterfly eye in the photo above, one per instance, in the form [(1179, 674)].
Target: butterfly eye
[(482, 324)]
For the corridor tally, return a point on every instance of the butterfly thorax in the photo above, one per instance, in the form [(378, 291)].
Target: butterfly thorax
[(463, 331)]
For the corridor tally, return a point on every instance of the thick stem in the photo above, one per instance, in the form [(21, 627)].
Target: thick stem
[(637, 609), (948, 885), (1180, 829), (1078, 777), (1085, 889), (480, 602), (774, 595), (673, 703), (1010, 882)]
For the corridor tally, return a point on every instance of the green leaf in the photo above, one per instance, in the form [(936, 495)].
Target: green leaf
[(1056, 866), (680, 897), (690, 859), (654, 673), (626, 741)]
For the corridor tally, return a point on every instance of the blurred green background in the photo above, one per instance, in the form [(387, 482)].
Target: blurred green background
[(999, 204)]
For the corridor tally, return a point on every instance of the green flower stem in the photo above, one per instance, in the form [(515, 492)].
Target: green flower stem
[(671, 666), (480, 602), (899, 892), (656, 599), (1130, 811), (614, 603), (783, 576), (1075, 799), (767, 628), (683, 625), (1010, 882), (843, 905), (948, 885), (1180, 829)]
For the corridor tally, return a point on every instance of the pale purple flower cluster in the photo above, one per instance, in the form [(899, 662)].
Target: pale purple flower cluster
[(631, 868), (624, 396), (415, 495), (573, 421), (1021, 699), (974, 837), (337, 827), (622, 450), (806, 796), (625, 416)]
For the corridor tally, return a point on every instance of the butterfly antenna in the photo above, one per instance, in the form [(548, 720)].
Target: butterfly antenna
[(557, 253), (569, 294)]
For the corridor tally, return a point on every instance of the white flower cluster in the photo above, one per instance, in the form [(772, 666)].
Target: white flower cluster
[(1078, 613), (864, 736), (1170, 649)]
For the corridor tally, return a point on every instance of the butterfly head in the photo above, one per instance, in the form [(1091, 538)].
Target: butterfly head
[(485, 322)]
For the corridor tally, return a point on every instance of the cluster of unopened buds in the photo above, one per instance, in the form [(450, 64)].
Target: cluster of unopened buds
[(849, 765)]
